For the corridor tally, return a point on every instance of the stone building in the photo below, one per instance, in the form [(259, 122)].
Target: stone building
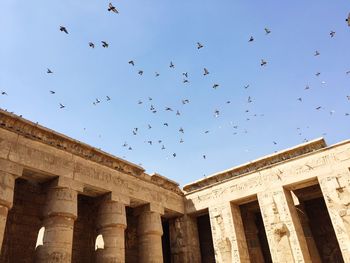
[(90, 206)]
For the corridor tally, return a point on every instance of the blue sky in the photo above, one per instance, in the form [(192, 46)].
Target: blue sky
[(153, 33)]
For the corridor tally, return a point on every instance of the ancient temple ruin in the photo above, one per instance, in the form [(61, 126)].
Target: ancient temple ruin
[(90, 206)]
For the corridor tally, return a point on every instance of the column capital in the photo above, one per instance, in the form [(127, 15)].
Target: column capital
[(151, 207), (111, 214), (64, 182), (61, 201)]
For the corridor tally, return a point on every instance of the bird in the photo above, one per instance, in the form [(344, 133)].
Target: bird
[(181, 140), (139, 102), (206, 132), (300, 99), (348, 97), (348, 72), (263, 63), (215, 86), (307, 87), (163, 147), (318, 108), (246, 86), (181, 130), (112, 8), (168, 109), (49, 71), (150, 142), (185, 81), (251, 39), (131, 62), (185, 101), (216, 113), (63, 29), (318, 74), (316, 53), (149, 126), (125, 144), (140, 72), (199, 45), (92, 45), (157, 74), (348, 19), (249, 99), (52, 92), (97, 100), (185, 74), (171, 65), (274, 142), (332, 33), (268, 31), (166, 124), (204, 156), (206, 72), (108, 98), (3, 93), (174, 155), (104, 44), (150, 99), (62, 106), (178, 113)]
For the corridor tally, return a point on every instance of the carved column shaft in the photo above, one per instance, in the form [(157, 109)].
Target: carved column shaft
[(284, 233), (228, 234), (7, 185), (336, 192), (111, 224), (60, 214), (150, 233)]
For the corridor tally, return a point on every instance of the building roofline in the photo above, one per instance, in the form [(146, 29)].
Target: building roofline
[(257, 164)]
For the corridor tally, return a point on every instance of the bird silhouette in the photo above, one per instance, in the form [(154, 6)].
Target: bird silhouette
[(104, 44), (263, 63), (317, 53), (199, 45), (92, 45), (3, 93), (62, 106), (52, 92), (63, 29), (215, 86), (171, 65), (251, 39), (131, 62), (49, 71), (112, 8), (267, 31), (206, 72), (332, 33)]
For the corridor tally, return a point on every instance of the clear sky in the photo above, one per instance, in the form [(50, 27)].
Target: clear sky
[(154, 32)]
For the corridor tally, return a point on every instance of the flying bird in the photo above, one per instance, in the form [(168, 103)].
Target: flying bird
[(112, 8), (206, 72), (185, 81), (251, 39), (52, 92), (92, 45), (3, 93), (332, 33), (300, 99), (318, 74), (263, 63), (246, 86), (268, 31), (185, 74), (157, 74), (108, 98), (215, 86), (140, 72), (49, 71), (131, 62), (63, 29), (171, 65), (348, 19), (104, 44), (249, 99), (318, 108), (316, 53), (62, 106), (199, 45), (216, 113)]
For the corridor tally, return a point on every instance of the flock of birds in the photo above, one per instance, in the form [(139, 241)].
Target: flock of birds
[(185, 79)]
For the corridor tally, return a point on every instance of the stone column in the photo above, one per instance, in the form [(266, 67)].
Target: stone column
[(8, 173), (184, 240), (150, 231), (111, 223), (336, 193), (283, 229), (228, 234), (59, 216)]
